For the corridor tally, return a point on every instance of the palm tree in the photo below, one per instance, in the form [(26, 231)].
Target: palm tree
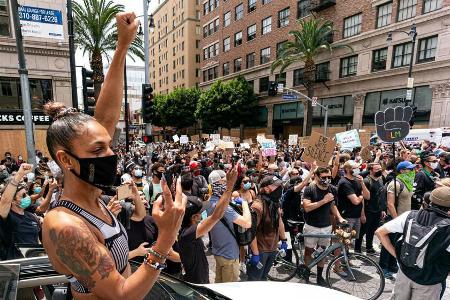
[(96, 34), (312, 39)]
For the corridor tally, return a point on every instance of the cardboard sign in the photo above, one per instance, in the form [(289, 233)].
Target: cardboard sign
[(392, 124), (184, 139), (293, 139), (226, 145), (215, 138), (269, 148), (175, 138), (235, 140), (193, 154), (348, 139), (195, 138), (248, 141), (366, 155), (209, 146), (245, 145), (205, 136), (303, 141), (320, 149), (226, 138), (260, 137)]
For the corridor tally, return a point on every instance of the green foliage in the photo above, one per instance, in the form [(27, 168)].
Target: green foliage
[(227, 104), (177, 108)]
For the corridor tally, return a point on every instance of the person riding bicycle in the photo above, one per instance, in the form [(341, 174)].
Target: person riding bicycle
[(319, 203)]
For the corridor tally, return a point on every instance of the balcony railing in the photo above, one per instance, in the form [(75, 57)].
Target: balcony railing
[(318, 5)]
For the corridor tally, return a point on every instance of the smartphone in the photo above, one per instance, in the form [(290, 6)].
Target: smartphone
[(124, 191)]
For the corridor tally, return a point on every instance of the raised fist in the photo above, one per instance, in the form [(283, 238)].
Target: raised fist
[(393, 123)]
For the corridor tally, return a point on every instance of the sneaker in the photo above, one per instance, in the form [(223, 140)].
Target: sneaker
[(321, 282), (243, 268), (371, 251), (340, 271)]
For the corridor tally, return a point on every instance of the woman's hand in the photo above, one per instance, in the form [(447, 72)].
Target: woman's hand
[(114, 206), (142, 250)]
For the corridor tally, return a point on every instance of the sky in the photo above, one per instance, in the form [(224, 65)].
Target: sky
[(130, 5)]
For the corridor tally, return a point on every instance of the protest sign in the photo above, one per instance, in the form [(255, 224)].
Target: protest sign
[(235, 140), (184, 139), (245, 145), (215, 138), (260, 137), (348, 139), (320, 149), (175, 138), (209, 146), (226, 145), (205, 136), (195, 138), (193, 154), (226, 138), (293, 139), (303, 141), (248, 141), (393, 123), (269, 148)]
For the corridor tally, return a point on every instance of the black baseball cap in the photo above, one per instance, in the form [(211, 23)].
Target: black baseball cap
[(195, 206), (269, 180)]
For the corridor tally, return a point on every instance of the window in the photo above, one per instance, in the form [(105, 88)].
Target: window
[(266, 25), (406, 9), (263, 84), (226, 69), (298, 76), (402, 55), (226, 44), (205, 9), (237, 64), (280, 46), (379, 58), (198, 31), (209, 52), (281, 78), (283, 17), (226, 19), (352, 25), (239, 12), (210, 74), (250, 60), (427, 49), (4, 18), (41, 92), (238, 38), (197, 58), (251, 32), (197, 44), (323, 72), (264, 2), (384, 14), (251, 5), (302, 8), (265, 55), (349, 66), (431, 5)]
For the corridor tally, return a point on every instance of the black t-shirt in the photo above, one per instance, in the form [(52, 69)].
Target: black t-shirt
[(373, 205), (193, 256), (347, 208), (291, 205), (320, 217), (140, 232)]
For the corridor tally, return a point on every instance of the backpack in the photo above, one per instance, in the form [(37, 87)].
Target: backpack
[(243, 236), (415, 240), (382, 200)]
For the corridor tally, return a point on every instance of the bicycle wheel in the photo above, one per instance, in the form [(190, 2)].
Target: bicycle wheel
[(283, 268), (368, 282)]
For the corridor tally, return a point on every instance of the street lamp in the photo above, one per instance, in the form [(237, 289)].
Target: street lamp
[(413, 34)]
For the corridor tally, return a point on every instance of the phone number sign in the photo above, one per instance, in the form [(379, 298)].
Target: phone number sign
[(41, 22)]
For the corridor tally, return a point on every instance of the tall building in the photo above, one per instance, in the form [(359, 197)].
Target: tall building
[(174, 45), (46, 44), (242, 37)]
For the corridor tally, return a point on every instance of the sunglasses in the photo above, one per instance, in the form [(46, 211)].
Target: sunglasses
[(432, 161), (245, 181), (325, 177)]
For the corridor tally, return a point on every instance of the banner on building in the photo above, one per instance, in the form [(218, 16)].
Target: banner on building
[(41, 22), (320, 149), (348, 139)]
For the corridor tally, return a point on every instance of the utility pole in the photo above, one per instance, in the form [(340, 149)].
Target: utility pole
[(24, 85), (146, 43), (126, 116), (73, 70)]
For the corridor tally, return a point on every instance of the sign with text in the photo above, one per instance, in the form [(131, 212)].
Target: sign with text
[(348, 139), (16, 118), (303, 141), (205, 136), (320, 149), (184, 139), (215, 138), (175, 138), (195, 138), (269, 148), (293, 139), (393, 123), (41, 22), (226, 138)]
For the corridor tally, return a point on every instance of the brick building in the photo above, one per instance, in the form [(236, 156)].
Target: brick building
[(354, 85)]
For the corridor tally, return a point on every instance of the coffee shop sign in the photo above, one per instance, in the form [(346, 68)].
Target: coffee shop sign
[(13, 118)]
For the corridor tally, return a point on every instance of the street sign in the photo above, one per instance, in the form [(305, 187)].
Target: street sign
[(410, 83), (280, 88), (290, 97), (41, 22), (314, 101), (408, 94)]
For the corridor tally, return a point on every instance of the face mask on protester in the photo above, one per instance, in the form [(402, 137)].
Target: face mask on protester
[(434, 165), (325, 182), (218, 188), (37, 190), (158, 175), (247, 186), (97, 171), (138, 173), (25, 202), (378, 174)]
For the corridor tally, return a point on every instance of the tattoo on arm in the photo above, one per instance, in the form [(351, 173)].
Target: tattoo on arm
[(78, 250)]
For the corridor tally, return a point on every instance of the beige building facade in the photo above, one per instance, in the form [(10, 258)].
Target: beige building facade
[(46, 46), (174, 45), (354, 84)]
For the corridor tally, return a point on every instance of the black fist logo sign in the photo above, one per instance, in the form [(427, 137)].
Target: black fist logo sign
[(393, 123)]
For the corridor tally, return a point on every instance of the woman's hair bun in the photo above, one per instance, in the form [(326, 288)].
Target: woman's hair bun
[(57, 110)]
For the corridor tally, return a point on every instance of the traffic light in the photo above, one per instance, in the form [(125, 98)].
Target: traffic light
[(147, 103), (411, 121), (273, 88), (88, 91)]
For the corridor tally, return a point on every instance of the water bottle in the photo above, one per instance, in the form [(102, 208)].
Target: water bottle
[(317, 252), (282, 253)]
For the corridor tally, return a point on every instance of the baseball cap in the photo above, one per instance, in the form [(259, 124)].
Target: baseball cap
[(405, 165), (216, 175), (269, 180), (441, 196), (195, 206), (194, 165)]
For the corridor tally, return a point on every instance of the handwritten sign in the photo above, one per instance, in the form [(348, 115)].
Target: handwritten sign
[(215, 138), (248, 141), (195, 138), (303, 141), (175, 138), (269, 148), (226, 138), (320, 149), (209, 146), (348, 139), (205, 136), (193, 154), (260, 137), (184, 139), (293, 139)]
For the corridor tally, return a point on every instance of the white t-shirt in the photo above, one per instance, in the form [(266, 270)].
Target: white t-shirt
[(396, 225)]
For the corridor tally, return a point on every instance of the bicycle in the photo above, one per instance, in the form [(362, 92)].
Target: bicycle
[(359, 275)]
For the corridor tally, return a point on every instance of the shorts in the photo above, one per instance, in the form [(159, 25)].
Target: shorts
[(355, 223), (312, 242)]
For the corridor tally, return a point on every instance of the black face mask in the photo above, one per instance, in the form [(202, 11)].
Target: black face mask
[(378, 174), (97, 171), (158, 175), (275, 196)]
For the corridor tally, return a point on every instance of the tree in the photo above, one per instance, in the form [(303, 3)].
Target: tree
[(227, 104), (176, 108), (310, 40), (96, 34)]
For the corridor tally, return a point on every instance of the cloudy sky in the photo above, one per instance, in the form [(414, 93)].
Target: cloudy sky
[(130, 5)]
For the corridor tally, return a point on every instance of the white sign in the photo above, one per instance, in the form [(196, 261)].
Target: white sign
[(184, 139), (215, 138), (41, 22), (408, 94), (209, 146), (420, 135), (348, 139), (175, 138), (280, 88), (314, 101), (410, 83), (293, 139), (245, 145), (269, 148), (226, 138)]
